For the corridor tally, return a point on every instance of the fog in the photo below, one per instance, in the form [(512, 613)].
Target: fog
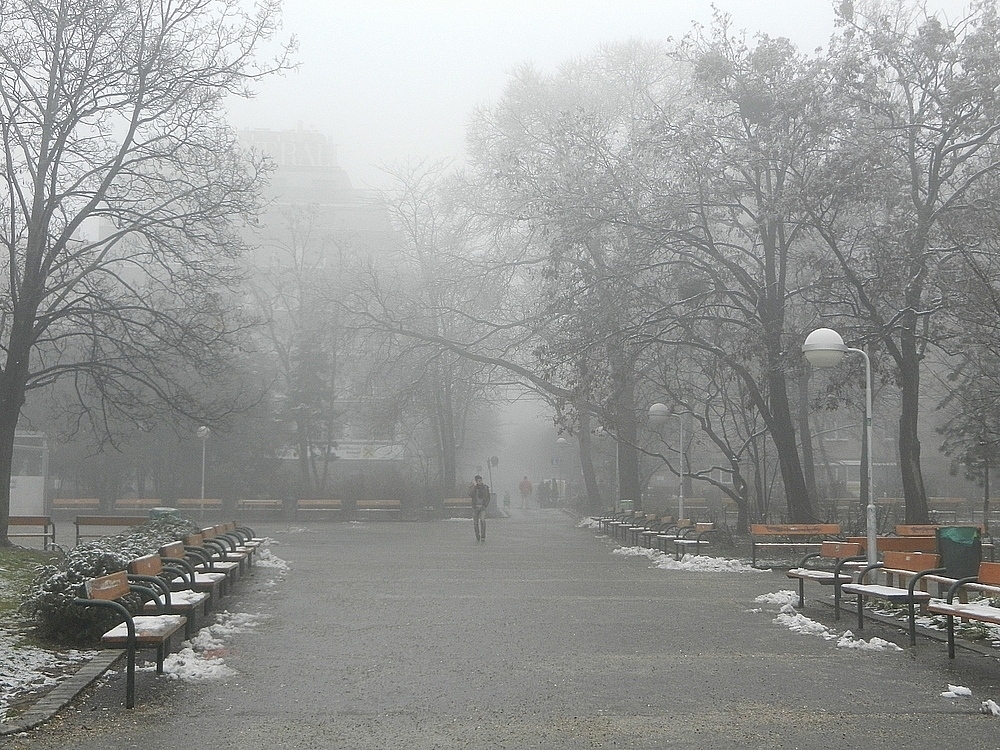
[(388, 81)]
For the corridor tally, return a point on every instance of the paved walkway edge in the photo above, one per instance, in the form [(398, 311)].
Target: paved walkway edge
[(49, 704)]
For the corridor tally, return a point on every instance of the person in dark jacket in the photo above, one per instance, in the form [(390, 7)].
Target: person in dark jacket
[(480, 494)]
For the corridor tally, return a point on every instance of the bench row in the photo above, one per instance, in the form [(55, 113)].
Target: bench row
[(902, 578), (659, 532), (176, 586)]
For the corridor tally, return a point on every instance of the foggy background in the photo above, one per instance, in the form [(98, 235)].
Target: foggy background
[(393, 80)]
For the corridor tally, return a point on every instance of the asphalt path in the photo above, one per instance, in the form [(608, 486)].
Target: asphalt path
[(412, 635)]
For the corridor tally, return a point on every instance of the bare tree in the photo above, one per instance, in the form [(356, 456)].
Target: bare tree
[(925, 137), (121, 184)]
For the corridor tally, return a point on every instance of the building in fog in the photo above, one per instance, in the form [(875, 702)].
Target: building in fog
[(317, 232)]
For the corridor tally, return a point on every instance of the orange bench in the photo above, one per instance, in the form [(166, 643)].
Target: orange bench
[(792, 537), (134, 631), (909, 569), (986, 581)]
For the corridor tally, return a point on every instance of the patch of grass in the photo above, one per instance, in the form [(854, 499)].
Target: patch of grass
[(19, 568)]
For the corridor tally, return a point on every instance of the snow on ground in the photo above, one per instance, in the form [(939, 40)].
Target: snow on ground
[(799, 623), (26, 669), (698, 563)]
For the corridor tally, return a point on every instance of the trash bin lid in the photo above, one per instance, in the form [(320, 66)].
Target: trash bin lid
[(959, 534)]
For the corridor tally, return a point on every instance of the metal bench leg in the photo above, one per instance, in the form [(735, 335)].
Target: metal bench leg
[(861, 612)]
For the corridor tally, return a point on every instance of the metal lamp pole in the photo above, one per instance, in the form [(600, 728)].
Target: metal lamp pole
[(203, 432), (824, 347)]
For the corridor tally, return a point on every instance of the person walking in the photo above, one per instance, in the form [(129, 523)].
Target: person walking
[(480, 494), (526, 490)]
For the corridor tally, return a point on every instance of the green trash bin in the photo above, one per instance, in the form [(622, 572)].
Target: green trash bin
[(155, 513), (961, 550)]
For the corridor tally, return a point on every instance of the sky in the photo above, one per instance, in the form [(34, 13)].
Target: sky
[(390, 81)]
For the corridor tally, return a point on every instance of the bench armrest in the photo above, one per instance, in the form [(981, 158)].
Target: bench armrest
[(867, 569), (155, 586), (915, 579), (957, 585), (839, 567)]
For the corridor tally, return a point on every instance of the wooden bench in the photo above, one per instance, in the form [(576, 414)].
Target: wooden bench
[(214, 583), (138, 503), (909, 569), (693, 538), (380, 506), (457, 504), (134, 632), (671, 531), (792, 537), (168, 579), (209, 558), (41, 527), (249, 506), (316, 506), (76, 503), (227, 547), (986, 581), (647, 538), (898, 543), (632, 532), (835, 557), (195, 503), (82, 522)]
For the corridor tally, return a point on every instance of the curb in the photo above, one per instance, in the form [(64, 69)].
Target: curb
[(53, 701)]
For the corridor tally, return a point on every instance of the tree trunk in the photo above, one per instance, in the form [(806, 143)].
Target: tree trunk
[(629, 481), (594, 502), (914, 493), (783, 435)]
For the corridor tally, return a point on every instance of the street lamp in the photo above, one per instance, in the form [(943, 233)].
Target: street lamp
[(824, 347), (658, 416), (561, 490), (203, 432)]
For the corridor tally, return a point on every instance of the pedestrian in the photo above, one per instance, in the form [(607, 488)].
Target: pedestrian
[(480, 494), (526, 490)]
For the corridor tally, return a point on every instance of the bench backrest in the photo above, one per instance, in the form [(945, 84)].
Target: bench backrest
[(194, 540), (916, 529), (111, 586), (111, 520), (29, 521), (912, 561), (840, 550), (989, 573), (795, 529), (147, 565), (702, 526), (172, 551), (899, 543)]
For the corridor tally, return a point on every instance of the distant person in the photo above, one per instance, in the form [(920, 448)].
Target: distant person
[(526, 490), (480, 495)]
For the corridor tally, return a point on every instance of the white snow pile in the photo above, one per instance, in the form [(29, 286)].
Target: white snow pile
[(201, 658), (799, 623), (265, 558), (697, 563), (589, 523), (989, 706)]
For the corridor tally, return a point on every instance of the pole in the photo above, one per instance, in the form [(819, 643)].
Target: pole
[(871, 513), (680, 491)]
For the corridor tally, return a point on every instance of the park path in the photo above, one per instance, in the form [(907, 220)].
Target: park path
[(412, 635)]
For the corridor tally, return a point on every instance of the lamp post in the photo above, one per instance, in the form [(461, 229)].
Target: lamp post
[(824, 347), (658, 416), (560, 491), (203, 432)]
